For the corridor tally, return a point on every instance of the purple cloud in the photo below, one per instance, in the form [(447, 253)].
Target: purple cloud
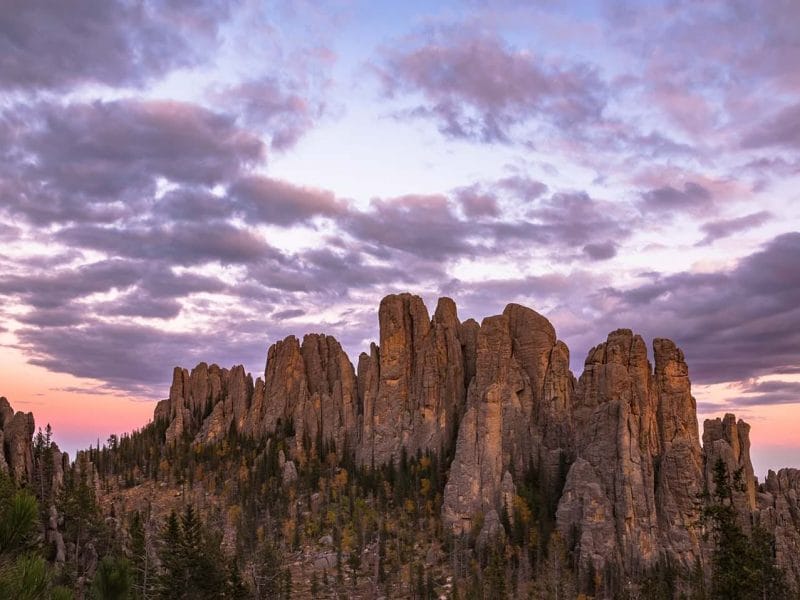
[(273, 201), (781, 130), (476, 86), (693, 199), (274, 107), (722, 228), (100, 162), (477, 203), (734, 324), (601, 251), (60, 45), (765, 393)]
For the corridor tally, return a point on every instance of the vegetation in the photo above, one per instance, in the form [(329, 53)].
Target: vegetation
[(743, 566), (24, 573), (337, 530)]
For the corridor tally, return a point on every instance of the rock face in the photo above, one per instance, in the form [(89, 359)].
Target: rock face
[(206, 402), (616, 453), (413, 384), (518, 409), (729, 440), (775, 505), (631, 493), (779, 513), (310, 388), (16, 433)]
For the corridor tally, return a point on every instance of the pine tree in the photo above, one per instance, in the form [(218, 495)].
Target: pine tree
[(172, 580), (743, 568), (140, 559), (112, 581), (192, 563), (495, 575), (268, 576)]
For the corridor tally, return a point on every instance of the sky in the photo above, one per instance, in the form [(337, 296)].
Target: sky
[(186, 181)]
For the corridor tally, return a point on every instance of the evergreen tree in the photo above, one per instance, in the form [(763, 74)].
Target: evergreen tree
[(495, 575), (235, 585), (43, 462), (25, 579), (112, 581), (743, 568), (268, 576), (192, 563), (24, 574), (172, 580), (140, 559)]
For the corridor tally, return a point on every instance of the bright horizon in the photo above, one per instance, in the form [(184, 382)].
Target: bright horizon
[(193, 183)]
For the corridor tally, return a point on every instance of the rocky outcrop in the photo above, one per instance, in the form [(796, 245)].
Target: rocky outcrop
[(16, 433), (521, 381), (729, 440), (616, 453), (309, 392), (631, 493), (414, 388), (775, 505), (779, 513), (310, 389)]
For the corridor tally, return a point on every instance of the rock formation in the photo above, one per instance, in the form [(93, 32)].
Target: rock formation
[(518, 413), (16, 432), (413, 393), (779, 513), (630, 495), (728, 440), (616, 453)]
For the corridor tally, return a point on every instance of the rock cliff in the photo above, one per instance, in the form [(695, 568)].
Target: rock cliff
[(631, 494), (16, 432), (616, 453)]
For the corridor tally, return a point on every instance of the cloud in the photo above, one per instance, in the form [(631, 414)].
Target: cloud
[(56, 45), (332, 272), (760, 393), (722, 228), (136, 358), (522, 187), (51, 290), (693, 199), (278, 202), (601, 251), (734, 324), (424, 226), (477, 203), (101, 161), (289, 313), (781, 130), (569, 219), (182, 244), (476, 86), (271, 105)]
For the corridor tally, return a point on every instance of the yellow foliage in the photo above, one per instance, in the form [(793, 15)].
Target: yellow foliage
[(521, 510), (234, 514), (339, 483), (409, 506), (288, 529), (425, 462), (330, 517), (424, 486), (348, 538)]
